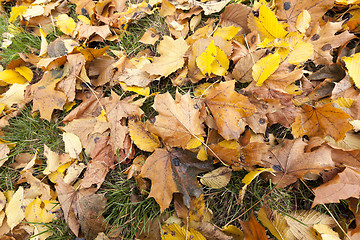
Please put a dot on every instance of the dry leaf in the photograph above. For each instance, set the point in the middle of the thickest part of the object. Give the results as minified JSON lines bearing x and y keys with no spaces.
{"x":217,"y":178}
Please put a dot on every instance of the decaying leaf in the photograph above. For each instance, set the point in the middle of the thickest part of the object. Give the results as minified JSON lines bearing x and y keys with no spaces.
{"x":253,"y":230}
{"x":217,"y":178}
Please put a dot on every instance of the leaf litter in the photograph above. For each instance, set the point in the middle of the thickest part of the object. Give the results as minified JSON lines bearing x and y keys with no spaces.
{"x":297,"y":63}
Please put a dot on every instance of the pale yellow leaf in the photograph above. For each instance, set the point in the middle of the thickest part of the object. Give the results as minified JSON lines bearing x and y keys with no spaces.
{"x":303,"y":21}
{"x":217,"y":178}
{"x":14,"y":212}
{"x":227,"y":33}
{"x":65,"y":24}
{"x":14,"y":95}
{"x":352,"y":64}
{"x":300,"y":53}
{"x":72,"y":144}
{"x":264,"y":67}
{"x":35,"y":212}
{"x":52,"y":160}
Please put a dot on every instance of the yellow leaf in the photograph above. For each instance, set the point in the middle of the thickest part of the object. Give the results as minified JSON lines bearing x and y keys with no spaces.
{"x":194,"y":142}
{"x":172,"y":57}
{"x":52,"y":160}
{"x":175,"y":232}
{"x":84,"y":19}
{"x":303,"y":21}
{"x":44,"y":43}
{"x":344,"y":102}
{"x":102,"y":117}
{"x":248,"y":179}
{"x":293,"y":89}
{"x":231,"y":144}
{"x":352,"y":64}
{"x":227,"y":33}
{"x":65,"y":24}
{"x":301,"y":53}
{"x":72,"y":144}
{"x":144,"y":91}
{"x":25,"y":72}
{"x":11,"y":77}
{"x":36,"y":212}
{"x":264,"y":67}
{"x":212,"y":60}
{"x":268,"y":25}
{"x":14,"y":211}
{"x":14,"y":95}
{"x":202,"y":90}
{"x":15,"y":12}
{"x":202,"y":155}
{"x":142,"y":138}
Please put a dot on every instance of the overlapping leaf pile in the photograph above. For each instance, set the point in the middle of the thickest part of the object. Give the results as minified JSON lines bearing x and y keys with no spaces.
{"x":300,"y":67}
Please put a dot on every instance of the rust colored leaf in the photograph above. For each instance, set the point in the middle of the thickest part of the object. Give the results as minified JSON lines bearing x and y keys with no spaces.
{"x":171,"y":172}
{"x":253,"y":230}
{"x":228,"y":107}
{"x":321,"y":121}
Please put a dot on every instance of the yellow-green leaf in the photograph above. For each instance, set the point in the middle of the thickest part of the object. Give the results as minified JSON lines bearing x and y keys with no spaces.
{"x":352,"y":64}
{"x":264,"y":67}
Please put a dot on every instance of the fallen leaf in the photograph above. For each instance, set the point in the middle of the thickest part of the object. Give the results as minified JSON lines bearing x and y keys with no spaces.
{"x":14,"y":211}
{"x":142,"y":138}
{"x":290,"y":162}
{"x":178,"y":120}
{"x":72,"y":144}
{"x":212,"y":60}
{"x":41,"y":211}
{"x":264,"y":67}
{"x":217,"y":178}
{"x":253,"y":230}
{"x":351,"y":64}
{"x":175,"y":232}
{"x":342,"y":186}
{"x":172,"y":57}
{"x":321,"y":121}
{"x":235,"y":14}
{"x":228,"y":107}
{"x":179,"y":171}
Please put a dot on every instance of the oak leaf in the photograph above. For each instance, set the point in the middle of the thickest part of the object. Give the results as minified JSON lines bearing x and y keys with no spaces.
{"x":321,"y":121}
{"x":172,"y":57}
{"x":179,"y":170}
{"x":345,"y":185}
{"x":178,"y":120}
{"x":228,"y":107}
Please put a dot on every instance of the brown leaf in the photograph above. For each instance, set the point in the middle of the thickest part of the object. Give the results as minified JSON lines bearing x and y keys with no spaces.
{"x":171,"y":172}
{"x":117,"y":111}
{"x":236,"y":15}
{"x":321,"y":121}
{"x":82,"y":209}
{"x":290,"y":162}
{"x":103,"y":159}
{"x":323,"y":39}
{"x":228,"y":107}
{"x":243,"y":68}
{"x":289,"y":10}
{"x":4,"y":151}
{"x":86,"y":31}
{"x":178,"y":120}
{"x":74,"y":62}
{"x":253,"y":230}
{"x":343,"y":186}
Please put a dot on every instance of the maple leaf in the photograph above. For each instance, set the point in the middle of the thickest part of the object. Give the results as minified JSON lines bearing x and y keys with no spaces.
{"x":179,"y":170}
{"x":253,"y":230}
{"x":228,"y":107}
{"x":290,"y":162}
{"x":290,"y":10}
{"x":321,"y":121}
{"x":82,"y":209}
{"x":342,"y":186}
{"x":172,"y":57}
{"x":45,"y":97}
{"x":178,"y":120}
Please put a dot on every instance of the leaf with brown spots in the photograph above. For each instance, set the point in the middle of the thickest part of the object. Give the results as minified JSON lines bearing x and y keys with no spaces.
{"x":289,"y":10}
{"x":228,"y":107}
{"x":321,"y":121}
